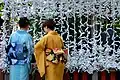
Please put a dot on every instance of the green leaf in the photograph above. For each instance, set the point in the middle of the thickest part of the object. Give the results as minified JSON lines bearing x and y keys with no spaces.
{"x":1,"y":1}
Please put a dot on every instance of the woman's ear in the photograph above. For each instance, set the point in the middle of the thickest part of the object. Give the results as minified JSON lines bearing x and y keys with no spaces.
{"x":46,"y":27}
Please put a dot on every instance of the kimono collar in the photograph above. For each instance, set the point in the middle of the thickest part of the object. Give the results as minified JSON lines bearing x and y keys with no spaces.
{"x":53,"y":33}
{"x":21,"y":31}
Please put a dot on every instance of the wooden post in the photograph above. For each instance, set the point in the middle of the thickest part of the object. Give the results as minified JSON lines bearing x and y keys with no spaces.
{"x":112,"y":75}
{"x":117,"y":75}
{"x":1,"y":75}
{"x":75,"y":75}
{"x":6,"y":76}
{"x":66,"y":76}
{"x":84,"y":76}
{"x":103,"y":75}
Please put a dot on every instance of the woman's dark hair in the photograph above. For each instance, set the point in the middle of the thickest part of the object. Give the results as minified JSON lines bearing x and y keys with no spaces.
{"x":23,"y":22}
{"x":49,"y":23}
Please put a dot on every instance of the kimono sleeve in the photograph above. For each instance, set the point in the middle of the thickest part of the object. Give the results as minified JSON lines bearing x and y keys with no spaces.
{"x":40,"y":55}
{"x":12,"y":40}
{"x":41,"y":44}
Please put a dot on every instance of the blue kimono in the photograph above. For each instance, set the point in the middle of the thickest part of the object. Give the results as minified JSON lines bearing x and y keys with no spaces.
{"x":20,"y":54}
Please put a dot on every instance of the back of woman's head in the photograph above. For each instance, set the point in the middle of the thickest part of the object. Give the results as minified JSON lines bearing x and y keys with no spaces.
{"x":23,"y":22}
{"x":50,"y":23}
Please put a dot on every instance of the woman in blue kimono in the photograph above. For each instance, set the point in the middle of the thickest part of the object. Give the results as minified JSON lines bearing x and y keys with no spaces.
{"x":20,"y":50}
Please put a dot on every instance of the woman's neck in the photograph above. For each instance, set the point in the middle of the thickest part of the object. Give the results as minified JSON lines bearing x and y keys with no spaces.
{"x":50,"y":31}
{"x":23,"y":29}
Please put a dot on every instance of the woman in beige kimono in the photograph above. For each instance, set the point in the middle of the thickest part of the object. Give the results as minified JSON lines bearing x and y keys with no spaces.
{"x":49,"y":53}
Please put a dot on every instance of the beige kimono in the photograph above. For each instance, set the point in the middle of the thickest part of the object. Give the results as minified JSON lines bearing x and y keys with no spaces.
{"x":52,"y":71}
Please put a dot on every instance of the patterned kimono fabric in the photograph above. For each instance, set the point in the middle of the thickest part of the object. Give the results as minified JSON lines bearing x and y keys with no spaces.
{"x":53,"y":70}
{"x":20,"y":68}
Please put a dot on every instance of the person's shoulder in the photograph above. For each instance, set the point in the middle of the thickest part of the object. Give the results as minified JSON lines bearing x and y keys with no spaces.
{"x":29,"y":36}
{"x":59,"y":36}
{"x":13,"y":34}
{"x":44,"y":37}
{"x":13,"y":37}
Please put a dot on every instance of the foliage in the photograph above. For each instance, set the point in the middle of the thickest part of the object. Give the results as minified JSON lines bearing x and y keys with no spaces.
{"x":1,"y":9}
